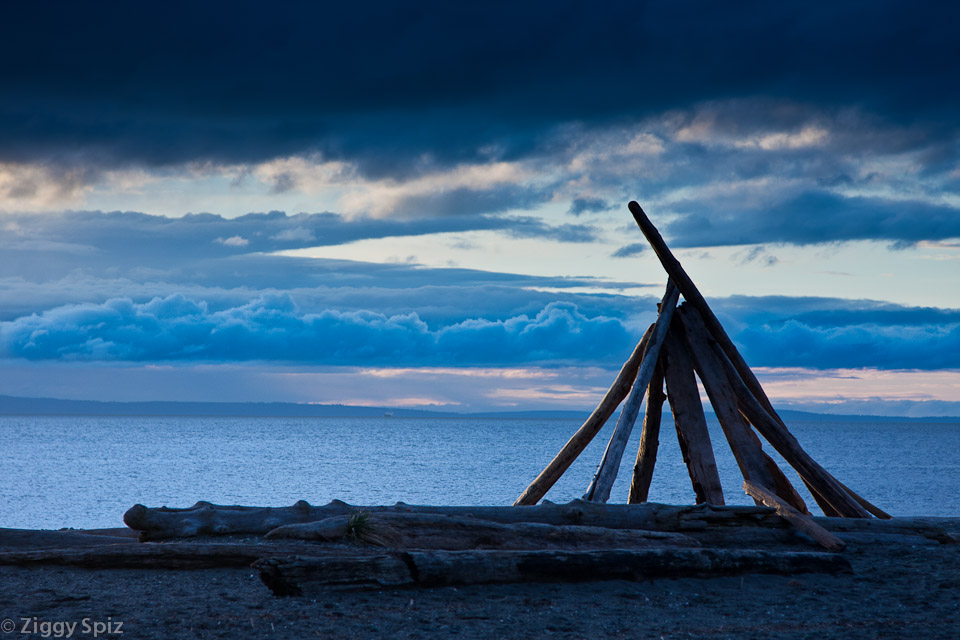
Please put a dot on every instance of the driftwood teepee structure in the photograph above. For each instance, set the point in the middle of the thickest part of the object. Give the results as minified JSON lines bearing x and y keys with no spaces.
{"x":687,"y":339}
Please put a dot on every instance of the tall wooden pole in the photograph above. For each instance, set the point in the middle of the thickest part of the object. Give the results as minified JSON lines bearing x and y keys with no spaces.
{"x":599,"y":489}
{"x":649,"y":439}
{"x":689,"y":420}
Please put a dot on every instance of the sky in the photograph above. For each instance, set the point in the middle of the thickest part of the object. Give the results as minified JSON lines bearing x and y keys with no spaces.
{"x":424,"y":204}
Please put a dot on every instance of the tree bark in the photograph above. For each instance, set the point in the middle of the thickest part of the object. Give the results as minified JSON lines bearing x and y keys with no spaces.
{"x":649,"y":439}
{"x":689,"y":420}
{"x":599,"y":489}
{"x":433,"y":531}
{"x":308,"y":576}
{"x":802,"y":522}
{"x":585,"y":434}
{"x":843,"y":501}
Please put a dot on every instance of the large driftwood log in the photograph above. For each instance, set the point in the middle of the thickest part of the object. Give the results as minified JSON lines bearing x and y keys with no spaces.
{"x":204,"y":518}
{"x":305,"y":576}
{"x":844,"y":502}
{"x":585,"y":434}
{"x":704,"y":522}
{"x":649,"y":440}
{"x":599,"y":489}
{"x":433,"y":531}
{"x":690,"y":421}
{"x":801,"y":521}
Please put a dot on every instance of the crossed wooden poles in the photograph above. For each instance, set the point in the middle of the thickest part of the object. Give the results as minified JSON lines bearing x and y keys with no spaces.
{"x":685,"y":339}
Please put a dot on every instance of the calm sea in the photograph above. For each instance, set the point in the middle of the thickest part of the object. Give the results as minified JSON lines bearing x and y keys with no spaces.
{"x":86,"y":471}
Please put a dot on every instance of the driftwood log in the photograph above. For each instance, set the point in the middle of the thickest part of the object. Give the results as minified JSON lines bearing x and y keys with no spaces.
{"x":708,"y":524}
{"x":591,"y":426}
{"x":303,"y":576}
{"x":173,"y":555}
{"x":432,"y":531}
{"x":599,"y":489}
{"x":690,"y":421}
{"x":205,"y":518}
{"x":649,"y":439}
{"x":803,"y":522}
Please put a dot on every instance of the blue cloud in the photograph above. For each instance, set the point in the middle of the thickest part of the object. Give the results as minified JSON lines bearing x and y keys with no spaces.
{"x":274,"y":328}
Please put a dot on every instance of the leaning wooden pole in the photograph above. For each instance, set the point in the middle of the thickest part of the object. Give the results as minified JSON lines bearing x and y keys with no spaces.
{"x":844,"y":502}
{"x":781,"y":439}
{"x":649,"y":439}
{"x":599,"y":489}
{"x":690,"y":421}
{"x":585,"y":434}
{"x":743,"y":442}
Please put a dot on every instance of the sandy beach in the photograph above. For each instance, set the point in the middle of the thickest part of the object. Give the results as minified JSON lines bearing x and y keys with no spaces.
{"x":895,"y":591}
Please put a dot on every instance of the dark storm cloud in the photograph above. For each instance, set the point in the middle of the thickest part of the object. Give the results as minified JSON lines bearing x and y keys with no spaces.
{"x":811,"y":218}
{"x":383,"y":82}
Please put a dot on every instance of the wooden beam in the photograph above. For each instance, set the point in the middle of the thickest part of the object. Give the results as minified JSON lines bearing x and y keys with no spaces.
{"x":744,"y":444}
{"x":649,"y":439}
{"x":842,"y":501}
{"x":585,"y":434}
{"x":690,"y":421}
{"x":778,"y":436}
{"x":802,"y":522}
{"x":599,"y":489}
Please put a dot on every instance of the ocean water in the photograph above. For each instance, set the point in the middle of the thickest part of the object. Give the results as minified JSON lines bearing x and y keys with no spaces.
{"x":86,"y":471}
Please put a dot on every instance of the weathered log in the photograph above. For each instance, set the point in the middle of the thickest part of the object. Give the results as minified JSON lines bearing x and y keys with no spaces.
{"x":783,"y":487}
{"x":433,"y":531}
{"x":649,"y":439}
{"x":174,"y":555}
{"x":710,"y":366}
{"x":585,"y":434}
{"x":204,"y":518}
{"x":306,"y":576}
{"x":690,"y":421}
{"x":745,"y":446}
{"x":800,"y":521}
{"x":843,"y":501}
{"x":599,"y":489}
{"x":75,"y":538}
{"x":780,"y":438}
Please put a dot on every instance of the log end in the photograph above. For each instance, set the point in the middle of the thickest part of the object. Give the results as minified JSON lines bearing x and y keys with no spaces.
{"x":134,"y":517}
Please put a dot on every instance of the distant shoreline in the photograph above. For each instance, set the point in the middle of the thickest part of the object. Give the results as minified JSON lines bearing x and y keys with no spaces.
{"x":24,"y":406}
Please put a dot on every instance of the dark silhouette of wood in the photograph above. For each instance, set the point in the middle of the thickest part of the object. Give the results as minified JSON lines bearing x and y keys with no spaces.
{"x":599,"y":489}
{"x":303,"y":576}
{"x":744,"y":444}
{"x":204,"y":519}
{"x":649,"y":440}
{"x":585,"y":434}
{"x":433,"y":531}
{"x":690,"y":421}
{"x":840,"y":500}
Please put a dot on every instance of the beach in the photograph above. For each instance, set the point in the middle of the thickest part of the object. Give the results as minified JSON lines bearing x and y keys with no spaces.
{"x":895,"y":591}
